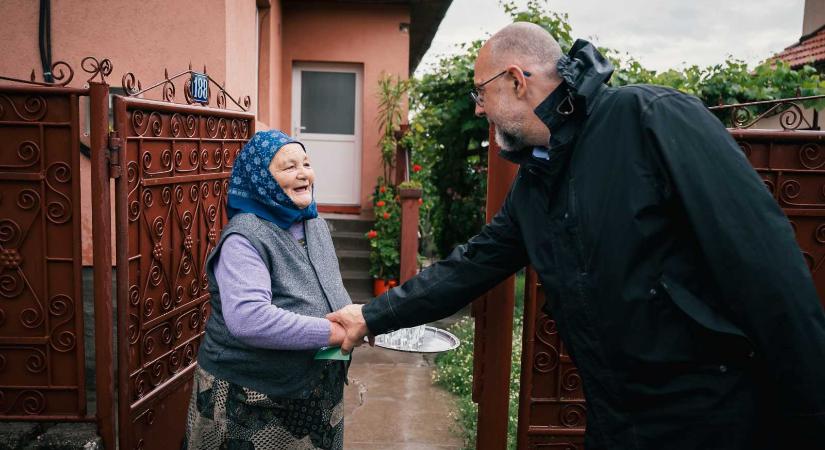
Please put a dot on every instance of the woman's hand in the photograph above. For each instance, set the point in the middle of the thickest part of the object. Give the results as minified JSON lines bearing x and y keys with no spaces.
{"x":337,"y":334}
{"x":351,"y":318}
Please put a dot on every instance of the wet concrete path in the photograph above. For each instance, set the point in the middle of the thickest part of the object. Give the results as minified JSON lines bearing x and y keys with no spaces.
{"x":391,"y":404}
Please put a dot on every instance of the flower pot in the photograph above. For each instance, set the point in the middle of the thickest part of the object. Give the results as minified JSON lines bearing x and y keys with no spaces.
{"x":380,"y":286}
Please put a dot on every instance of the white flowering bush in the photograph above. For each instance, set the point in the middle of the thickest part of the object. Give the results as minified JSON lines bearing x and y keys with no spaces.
{"x":454,"y":371}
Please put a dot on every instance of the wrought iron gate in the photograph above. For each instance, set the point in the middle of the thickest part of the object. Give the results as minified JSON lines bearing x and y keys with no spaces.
{"x":552,"y":410}
{"x":791,"y":161}
{"x":792,"y":165}
{"x":41,"y":316}
{"x":174,"y":163}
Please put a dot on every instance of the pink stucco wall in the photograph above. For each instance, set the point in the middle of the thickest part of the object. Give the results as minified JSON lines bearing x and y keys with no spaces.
{"x":241,"y":45}
{"x":269,"y":70}
{"x":348,"y":33}
{"x":146,"y":37}
{"x":139,"y":37}
{"x":142,"y":37}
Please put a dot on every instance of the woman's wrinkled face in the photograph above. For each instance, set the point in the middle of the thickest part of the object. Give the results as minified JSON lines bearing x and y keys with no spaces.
{"x":291,"y":169}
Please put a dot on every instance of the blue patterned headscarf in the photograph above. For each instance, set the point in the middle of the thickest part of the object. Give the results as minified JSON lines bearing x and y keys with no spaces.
{"x":253,"y":189}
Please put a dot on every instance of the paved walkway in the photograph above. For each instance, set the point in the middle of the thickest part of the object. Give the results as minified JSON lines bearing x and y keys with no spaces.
{"x":391,"y":403}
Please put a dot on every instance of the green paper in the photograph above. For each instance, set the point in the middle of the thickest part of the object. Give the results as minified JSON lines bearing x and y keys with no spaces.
{"x":332,"y":353}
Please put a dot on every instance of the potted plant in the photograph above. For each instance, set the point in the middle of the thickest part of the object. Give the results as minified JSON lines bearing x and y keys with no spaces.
{"x":385,"y":237}
{"x":391,"y":92}
{"x":385,"y":257}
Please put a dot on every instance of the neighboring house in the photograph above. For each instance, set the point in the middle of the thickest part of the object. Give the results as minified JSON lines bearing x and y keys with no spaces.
{"x":810,"y":49}
{"x":311,"y":67}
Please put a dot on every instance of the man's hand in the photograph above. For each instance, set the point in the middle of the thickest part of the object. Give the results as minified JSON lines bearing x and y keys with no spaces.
{"x":337,"y":333}
{"x":352,"y":320}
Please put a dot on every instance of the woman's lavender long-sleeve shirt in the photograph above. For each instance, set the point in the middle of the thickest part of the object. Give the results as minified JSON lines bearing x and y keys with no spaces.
{"x":246,"y":298}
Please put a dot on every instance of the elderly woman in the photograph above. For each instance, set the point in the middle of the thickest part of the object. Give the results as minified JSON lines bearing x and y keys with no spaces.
{"x":273,"y":276}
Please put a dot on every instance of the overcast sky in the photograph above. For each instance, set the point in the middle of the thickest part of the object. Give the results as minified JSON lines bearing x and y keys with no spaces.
{"x":662,"y":34}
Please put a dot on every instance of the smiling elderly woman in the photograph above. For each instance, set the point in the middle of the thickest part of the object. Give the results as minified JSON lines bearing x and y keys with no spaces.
{"x":273,"y":277}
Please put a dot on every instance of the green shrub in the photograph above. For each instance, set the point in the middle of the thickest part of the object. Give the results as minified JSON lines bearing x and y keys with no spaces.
{"x":450,"y":143}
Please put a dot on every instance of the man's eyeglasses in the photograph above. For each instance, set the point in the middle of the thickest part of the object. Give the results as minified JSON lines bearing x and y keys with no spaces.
{"x":475,"y":93}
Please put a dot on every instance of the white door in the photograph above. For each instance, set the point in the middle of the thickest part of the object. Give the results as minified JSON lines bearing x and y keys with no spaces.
{"x":326,"y":117}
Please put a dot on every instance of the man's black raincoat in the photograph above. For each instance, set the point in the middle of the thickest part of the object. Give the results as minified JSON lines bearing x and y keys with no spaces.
{"x":674,"y":277}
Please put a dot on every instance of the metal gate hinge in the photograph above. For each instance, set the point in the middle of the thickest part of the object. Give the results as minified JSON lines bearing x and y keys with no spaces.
{"x":114,"y":158}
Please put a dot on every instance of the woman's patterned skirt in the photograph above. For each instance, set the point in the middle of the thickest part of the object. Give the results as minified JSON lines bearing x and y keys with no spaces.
{"x":223,"y":415}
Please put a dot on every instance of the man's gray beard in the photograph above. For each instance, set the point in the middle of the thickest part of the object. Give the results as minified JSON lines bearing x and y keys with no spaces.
{"x":509,"y":141}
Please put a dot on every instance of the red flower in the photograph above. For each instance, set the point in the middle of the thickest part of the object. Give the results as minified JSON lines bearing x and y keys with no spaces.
{"x":372,"y":234}
{"x":380,"y":203}
{"x":420,"y":201}
{"x":416,"y":168}
{"x":386,"y":215}
{"x":382,"y":189}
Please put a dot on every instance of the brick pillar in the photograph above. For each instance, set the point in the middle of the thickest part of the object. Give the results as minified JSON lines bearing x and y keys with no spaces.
{"x":409,"y":233}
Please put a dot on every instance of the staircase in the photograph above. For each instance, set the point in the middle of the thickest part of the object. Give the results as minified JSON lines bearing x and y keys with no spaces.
{"x":353,"y":250}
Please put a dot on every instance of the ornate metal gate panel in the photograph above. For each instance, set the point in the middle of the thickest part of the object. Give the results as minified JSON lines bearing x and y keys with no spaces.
{"x":792,"y":164}
{"x":791,"y":161}
{"x":41,"y":308}
{"x":174,"y":161}
{"x":551,"y":406}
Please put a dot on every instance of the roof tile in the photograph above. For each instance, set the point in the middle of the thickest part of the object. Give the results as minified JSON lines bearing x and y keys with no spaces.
{"x":809,"y":51}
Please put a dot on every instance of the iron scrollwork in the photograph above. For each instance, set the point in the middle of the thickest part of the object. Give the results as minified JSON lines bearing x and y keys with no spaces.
{"x":61,"y":72}
{"x":39,"y":268}
{"x":102,"y":68}
{"x":33,"y":109}
{"x":31,"y":401}
{"x":132,"y":86}
{"x":572,"y":415}
{"x":791,"y":117}
{"x":177,"y":163}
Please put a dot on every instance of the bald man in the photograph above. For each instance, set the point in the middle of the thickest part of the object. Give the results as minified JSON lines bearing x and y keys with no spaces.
{"x":673,"y":276}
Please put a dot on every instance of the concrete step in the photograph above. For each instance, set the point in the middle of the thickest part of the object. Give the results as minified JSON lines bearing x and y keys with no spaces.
{"x":354,"y":260}
{"x":354,"y":224}
{"x":350,"y":240}
{"x":360,"y":297}
{"x":358,"y":285}
{"x":353,"y":250}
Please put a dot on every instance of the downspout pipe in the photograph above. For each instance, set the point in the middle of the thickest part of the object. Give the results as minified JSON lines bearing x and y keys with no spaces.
{"x":44,"y":37}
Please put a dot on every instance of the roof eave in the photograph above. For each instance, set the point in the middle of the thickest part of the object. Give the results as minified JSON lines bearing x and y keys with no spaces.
{"x":425,"y":17}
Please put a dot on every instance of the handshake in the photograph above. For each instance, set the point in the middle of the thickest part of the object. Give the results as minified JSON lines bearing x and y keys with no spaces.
{"x":348,"y":328}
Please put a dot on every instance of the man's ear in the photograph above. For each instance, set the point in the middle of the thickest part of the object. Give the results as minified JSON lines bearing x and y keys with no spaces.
{"x":519,"y":81}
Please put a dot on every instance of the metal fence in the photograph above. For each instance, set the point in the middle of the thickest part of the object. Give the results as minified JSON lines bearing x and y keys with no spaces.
{"x":41,"y":313}
{"x":171,"y":163}
{"x":176,"y":161}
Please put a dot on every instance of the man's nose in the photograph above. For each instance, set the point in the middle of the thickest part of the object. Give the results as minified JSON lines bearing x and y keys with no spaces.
{"x":479,"y":111}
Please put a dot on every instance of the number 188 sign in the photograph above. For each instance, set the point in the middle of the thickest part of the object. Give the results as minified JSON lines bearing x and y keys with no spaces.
{"x":199,"y":88}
